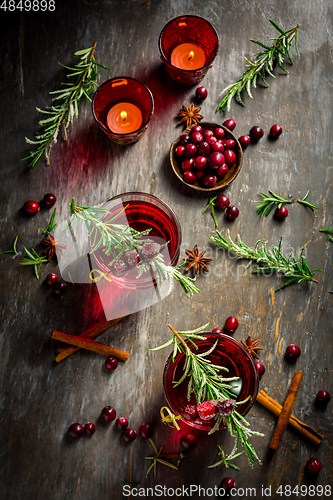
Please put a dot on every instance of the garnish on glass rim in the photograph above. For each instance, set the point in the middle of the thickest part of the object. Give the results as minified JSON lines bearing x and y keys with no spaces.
{"x":269,"y":260}
{"x":196,"y":260}
{"x":189,"y":115}
{"x":307,"y":203}
{"x":266,"y":205}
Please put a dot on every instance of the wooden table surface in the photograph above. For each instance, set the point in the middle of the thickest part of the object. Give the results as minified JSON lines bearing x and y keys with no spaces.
{"x":40,"y":399}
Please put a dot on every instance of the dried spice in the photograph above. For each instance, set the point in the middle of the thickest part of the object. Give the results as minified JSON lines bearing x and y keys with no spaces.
{"x":190,"y":115}
{"x":53,"y":247}
{"x":196,"y":260}
{"x":251,"y":346}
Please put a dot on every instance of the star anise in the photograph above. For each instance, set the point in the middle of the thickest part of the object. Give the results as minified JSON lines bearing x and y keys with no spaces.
{"x":195,"y":260}
{"x":53,"y":247}
{"x":251,"y":346}
{"x":190,"y":115}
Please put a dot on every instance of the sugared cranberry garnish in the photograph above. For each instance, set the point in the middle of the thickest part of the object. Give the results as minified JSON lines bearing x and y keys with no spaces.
{"x":293,"y":352}
{"x":190,"y":412}
{"x":200,"y":162}
{"x":222,"y":201}
{"x":76,"y":430}
{"x":211,"y":139}
{"x":189,"y":442}
{"x":59,"y":288}
{"x":119,"y":268}
{"x":322,"y":398}
{"x":229,"y":144}
{"x":222,"y":170}
{"x":51,"y":279}
{"x":129,"y":435}
{"x":217,"y":330}
{"x":190,"y":177}
{"x":196,"y":128}
{"x":217,"y":147}
{"x":49,"y":200}
{"x":225,"y":408}
{"x":230,"y":124}
{"x":31,"y":207}
{"x":206,"y":410}
{"x":215,"y":160}
{"x":203,"y":149}
{"x":180,"y":151}
{"x":184,"y":139}
{"x":256,"y":133}
{"x":244,"y":141}
{"x":209,"y":180}
{"x":146,"y":431}
{"x":275,"y":131}
{"x":90,"y":428}
{"x":281,"y":213}
{"x":260,"y":368}
{"x":150,"y":250}
{"x":132,"y":258}
{"x":188,"y":164}
{"x":227,"y":484}
{"x":111,"y":363}
{"x":190,"y":150}
{"x":196,"y":137}
{"x":201,"y":93}
{"x":219,"y":132}
{"x":122,"y":423}
{"x":207,"y":134}
{"x":108,"y":414}
{"x":313,"y":466}
{"x":230,"y":157}
{"x":232,"y":213}
{"x":231,"y":324}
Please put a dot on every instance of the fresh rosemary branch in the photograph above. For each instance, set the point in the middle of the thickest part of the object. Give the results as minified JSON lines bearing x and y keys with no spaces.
{"x":262,"y":64}
{"x":51,"y":225}
{"x":211,"y":204}
{"x":14,"y":250}
{"x":266,"y":205}
{"x":307,"y":203}
{"x":327,"y":231}
{"x":63,"y":114}
{"x":34,"y":260}
{"x":158,"y":458}
{"x":269,"y":260}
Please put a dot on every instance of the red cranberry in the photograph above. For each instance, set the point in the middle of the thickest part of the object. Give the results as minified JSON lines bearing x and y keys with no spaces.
{"x":293,"y":352}
{"x":256,"y":133}
{"x":49,"y":200}
{"x":31,"y":207}
{"x":232,"y":213}
{"x":230,"y":157}
{"x":313,"y":465}
{"x":129,"y":435}
{"x":209,"y":180}
{"x":190,"y":150}
{"x":231,"y":324}
{"x":180,"y":151}
{"x":196,"y":128}
{"x":207,"y":134}
{"x":190,"y":177}
{"x":196,"y":138}
{"x":222,"y":170}
{"x":322,"y":398}
{"x":188,"y":164}
{"x":211,"y":139}
{"x":281,"y":213}
{"x":189,"y":442}
{"x":51,"y":278}
{"x":76,"y":430}
{"x":217,"y":330}
{"x":217,"y":147}
{"x":199,"y":173}
{"x":215,"y":160}
{"x":122,"y":423}
{"x":59,"y":288}
{"x":230,"y":124}
{"x":203,"y":149}
{"x":200,"y":162}
{"x":111,"y":363}
{"x":275,"y":131}
{"x":219,"y":132}
{"x":90,"y":428}
{"x":184,"y":139}
{"x":190,"y":412}
{"x":229,"y":144}
{"x":146,"y":431}
{"x":244,"y":141}
{"x":222,"y":201}
{"x":201,"y":93}
{"x":108,"y":414}
{"x":227,"y":484}
{"x":260,"y":368}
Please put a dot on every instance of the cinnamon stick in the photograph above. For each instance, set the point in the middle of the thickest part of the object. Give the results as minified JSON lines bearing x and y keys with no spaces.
{"x":91,"y":345}
{"x":286,"y":411}
{"x":305,"y":430}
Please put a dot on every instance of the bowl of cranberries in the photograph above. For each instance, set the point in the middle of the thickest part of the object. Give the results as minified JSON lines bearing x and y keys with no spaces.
{"x":206,"y":157}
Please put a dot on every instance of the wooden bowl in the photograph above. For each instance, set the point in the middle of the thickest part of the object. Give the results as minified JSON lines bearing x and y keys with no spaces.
{"x":176,"y":162}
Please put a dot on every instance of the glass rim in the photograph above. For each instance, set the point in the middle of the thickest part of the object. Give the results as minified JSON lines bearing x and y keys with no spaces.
{"x":124,"y":78}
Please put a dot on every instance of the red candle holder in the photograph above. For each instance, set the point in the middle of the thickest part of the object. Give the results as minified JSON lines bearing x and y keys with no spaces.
{"x":123,"y":107}
{"x":188,"y":33}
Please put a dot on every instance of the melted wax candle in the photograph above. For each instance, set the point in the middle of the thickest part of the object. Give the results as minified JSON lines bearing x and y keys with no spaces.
{"x":188,"y":56}
{"x":124,"y":118}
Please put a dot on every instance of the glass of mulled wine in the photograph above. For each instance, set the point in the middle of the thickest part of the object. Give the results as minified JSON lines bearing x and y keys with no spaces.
{"x":229,"y":353}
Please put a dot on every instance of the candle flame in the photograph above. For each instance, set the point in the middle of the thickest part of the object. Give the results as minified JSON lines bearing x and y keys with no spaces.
{"x":123,"y":115}
{"x":191,"y":54}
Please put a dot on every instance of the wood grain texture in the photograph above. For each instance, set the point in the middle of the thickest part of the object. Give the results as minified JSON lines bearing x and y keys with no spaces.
{"x":40,"y":399}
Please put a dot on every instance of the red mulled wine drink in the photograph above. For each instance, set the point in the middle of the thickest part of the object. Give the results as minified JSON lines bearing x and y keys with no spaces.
{"x":228,"y":353}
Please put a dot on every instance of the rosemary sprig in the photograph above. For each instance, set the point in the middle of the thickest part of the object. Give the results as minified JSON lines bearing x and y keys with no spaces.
{"x":262,"y":64}
{"x":14,"y":250}
{"x":307,"y":203}
{"x":327,"y":231}
{"x":63,"y":114}
{"x":211,"y":204}
{"x":266,"y":205}
{"x":269,"y":260}
{"x":34,"y":260}
{"x":158,"y":458}
{"x":226,"y":460}
{"x":51,"y":225}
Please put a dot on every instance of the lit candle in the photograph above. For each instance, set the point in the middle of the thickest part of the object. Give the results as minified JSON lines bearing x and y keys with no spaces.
{"x":188,"y":56}
{"x":124,"y":118}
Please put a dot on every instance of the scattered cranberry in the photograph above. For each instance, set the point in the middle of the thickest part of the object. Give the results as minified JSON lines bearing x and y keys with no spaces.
{"x":132,"y":258}
{"x":108,"y":414}
{"x":190,"y":177}
{"x":227,"y":484}
{"x":111,"y":363}
{"x":31,"y":207}
{"x":219,"y":132}
{"x":196,"y":128}
{"x":231,"y":324}
{"x":217,"y":147}
{"x":244,"y":141}
{"x":129,"y":435}
{"x":59,"y":288}
{"x":190,"y":412}
{"x":76,"y":430}
{"x":275,"y":131}
{"x":230,"y":157}
{"x":209,"y":180}
{"x":90,"y":428}
{"x":222,"y":201}
{"x":189,"y":442}
{"x":184,"y":139}
{"x":200,"y":162}
{"x":232,"y":213}
{"x":281,"y":213}
{"x":211,"y":139}
{"x":180,"y":151}
{"x":49,"y":200}
{"x":146,"y":431}
{"x":293,"y":352}
{"x":215,"y":160}
{"x":203,"y":149}
{"x":150,"y":250}
{"x":206,"y":410}
{"x":201,"y":93}
{"x":256,"y":133}
{"x":313,"y":465}
{"x":229,"y":144}
{"x":217,"y":330}
{"x":188,"y":164}
{"x":222,"y":170}
{"x":51,"y":278}
{"x":230,"y":124}
{"x":260,"y":368}
{"x":323,"y":397}
{"x":122,"y":423}
{"x":196,"y":137}
{"x":190,"y":150}
{"x":208,"y":133}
